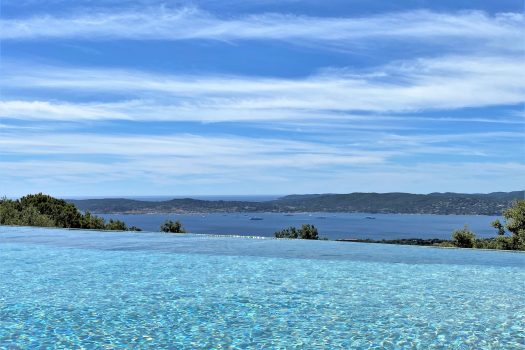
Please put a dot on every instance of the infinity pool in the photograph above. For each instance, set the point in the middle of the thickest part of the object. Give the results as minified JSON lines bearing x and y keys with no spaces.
{"x":78,"y":289}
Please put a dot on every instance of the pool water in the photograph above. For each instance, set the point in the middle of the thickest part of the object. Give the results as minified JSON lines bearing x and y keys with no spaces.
{"x":78,"y":289}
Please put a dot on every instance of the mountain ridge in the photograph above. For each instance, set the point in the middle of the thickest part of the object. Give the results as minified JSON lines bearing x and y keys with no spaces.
{"x":365,"y":202}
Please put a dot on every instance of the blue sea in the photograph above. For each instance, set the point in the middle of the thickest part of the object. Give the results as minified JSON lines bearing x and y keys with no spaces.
{"x":330,"y":225}
{"x":71,"y":289}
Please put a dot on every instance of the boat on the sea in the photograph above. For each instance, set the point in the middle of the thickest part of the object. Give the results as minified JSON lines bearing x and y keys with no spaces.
{"x":288,"y":214}
{"x":370,"y":217}
{"x":256,"y":218}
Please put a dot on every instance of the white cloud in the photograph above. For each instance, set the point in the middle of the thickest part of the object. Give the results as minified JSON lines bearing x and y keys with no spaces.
{"x":168,"y":176}
{"x":199,"y":163}
{"x":218,"y":150}
{"x":224,"y":150}
{"x":348,"y":112}
{"x":424,"y":84}
{"x":162,"y":23}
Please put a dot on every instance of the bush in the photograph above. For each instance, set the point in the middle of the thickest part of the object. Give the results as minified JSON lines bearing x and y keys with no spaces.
{"x":116,"y":225}
{"x":172,"y":227}
{"x":290,"y":232}
{"x":308,"y":231}
{"x":499,"y":242}
{"x":515,"y":224}
{"x":463,"y":238}
{"x":43,"y":210}
{"x":305,"y":232}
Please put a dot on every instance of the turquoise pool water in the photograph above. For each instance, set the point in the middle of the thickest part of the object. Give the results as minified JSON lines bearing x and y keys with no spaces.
{"x":77,"y":289}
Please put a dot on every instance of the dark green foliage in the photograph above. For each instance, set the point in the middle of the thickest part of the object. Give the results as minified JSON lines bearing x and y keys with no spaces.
{"x":290,"y":232}
{"x":306,"y":231}
{"x":64,"y":214}
{"x":32,"y":217}
{"x":92,"y":222}
{"x":116,"y":225}
{"x":497,"y":225}
{"x":403,"y":241}
{"x":43,"y":210}
{"x":172,"y":227}
{"x":463,"y":238}
{"x":9,"y":212}
{"x":498,"y":242}
{"x":515,"y":224}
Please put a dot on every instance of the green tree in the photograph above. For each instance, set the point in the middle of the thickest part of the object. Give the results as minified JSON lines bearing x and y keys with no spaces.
{"x":497,"y":225}
{"x":290,"y":232}
{"x":172,"y":227}
{"x":9,"y":212}
{"x":464,"y":238}
{"x":31,"y":217}
{"x":63,"y":213}
{"x":308,"y":231}
{"x":515,"y":223}
{"x":116,"y":225}
{"x":43,"y":210}
{"x":92,"y":222}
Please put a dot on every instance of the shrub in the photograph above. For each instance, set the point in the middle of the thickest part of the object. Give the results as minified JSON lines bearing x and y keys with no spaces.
{"x":172,"y":227}
{"x":463,"y":238}
{"x":499,"y":242}
{"x":515,"y":224}
{"x":290,"y":232}
{"x":306,"y":231}
{"x":116,"y":225}
{"x":43,"y":210}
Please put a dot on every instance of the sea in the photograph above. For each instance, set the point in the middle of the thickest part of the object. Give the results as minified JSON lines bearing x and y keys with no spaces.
{"x":329,"y":225}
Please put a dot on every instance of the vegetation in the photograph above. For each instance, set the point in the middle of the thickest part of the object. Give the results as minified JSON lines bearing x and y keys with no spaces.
{"x":172,"y":227}
{"x":403,"y":241}
{"x":306,"y":231}
{"x":463,"y":238}
{"x":46,"y":211}
{"x":514,"y":224}
{"x":433,"y":203}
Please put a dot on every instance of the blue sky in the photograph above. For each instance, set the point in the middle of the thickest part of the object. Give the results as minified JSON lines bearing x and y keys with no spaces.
{"x":261,"y":97}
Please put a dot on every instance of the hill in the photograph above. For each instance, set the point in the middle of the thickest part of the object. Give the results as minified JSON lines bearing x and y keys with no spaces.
{"x":405,"y":203}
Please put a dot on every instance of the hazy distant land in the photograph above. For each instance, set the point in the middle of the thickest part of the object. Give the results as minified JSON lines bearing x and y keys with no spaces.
{"x":387,"y":203}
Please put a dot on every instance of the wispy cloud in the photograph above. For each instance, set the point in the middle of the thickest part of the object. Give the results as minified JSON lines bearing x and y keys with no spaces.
{"x":191,"y":23}
{"x":221,"y":150}
{"x":207,"y":150}
{"x":422,"y":84}
{"x":351,"y":127}
{"x":192,"y":159}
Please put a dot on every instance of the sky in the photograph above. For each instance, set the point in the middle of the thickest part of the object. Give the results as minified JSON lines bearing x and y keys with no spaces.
{"x":208,"y":97}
